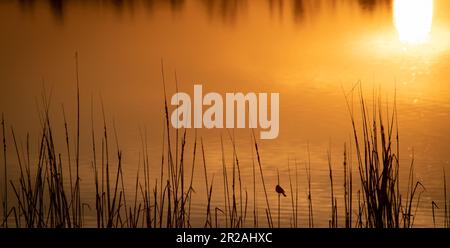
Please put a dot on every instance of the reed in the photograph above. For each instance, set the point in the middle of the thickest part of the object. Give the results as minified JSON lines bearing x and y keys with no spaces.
{"x":333,"y":222}
{"x":268,"y":212}
{"x":294,"y":198}
{"x":42,"y":200}
{"x":348,"y":190}
{"x":255,"y":213}
{"x":208,"y":221}
{"x":279,"y":200}
{"x":308,"y":178}
{"x":191,"y":187}
{"x":5,"y":177}
{"x":446,"y":205}
{"x":47,"y":190}
{"x":433,"y":206}
{"x":377,"y":151}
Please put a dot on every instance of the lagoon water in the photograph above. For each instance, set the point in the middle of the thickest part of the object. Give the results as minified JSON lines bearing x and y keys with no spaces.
{"x":313,"y":52}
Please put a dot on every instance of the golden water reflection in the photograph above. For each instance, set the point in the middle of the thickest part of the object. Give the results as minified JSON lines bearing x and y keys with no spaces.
{"x":308,"y":50}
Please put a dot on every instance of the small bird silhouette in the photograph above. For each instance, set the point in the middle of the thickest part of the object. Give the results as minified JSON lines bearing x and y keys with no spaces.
{"x":280,"y":190}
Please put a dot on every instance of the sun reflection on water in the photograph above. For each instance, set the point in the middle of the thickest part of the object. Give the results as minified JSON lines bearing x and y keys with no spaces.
{"x":413,"y":20}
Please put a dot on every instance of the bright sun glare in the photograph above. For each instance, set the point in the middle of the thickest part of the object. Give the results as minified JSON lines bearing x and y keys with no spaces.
{"x":413,"y":20}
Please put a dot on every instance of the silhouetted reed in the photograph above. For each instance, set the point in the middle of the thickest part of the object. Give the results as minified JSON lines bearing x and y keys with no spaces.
{"x":47,"y":191}
{"x":377,"y":150}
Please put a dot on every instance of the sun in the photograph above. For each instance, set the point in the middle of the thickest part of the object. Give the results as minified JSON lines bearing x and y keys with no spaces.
{"x":413,"y":20}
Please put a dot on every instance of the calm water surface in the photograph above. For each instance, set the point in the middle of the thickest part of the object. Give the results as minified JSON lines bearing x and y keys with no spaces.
{"x":309,"y":51}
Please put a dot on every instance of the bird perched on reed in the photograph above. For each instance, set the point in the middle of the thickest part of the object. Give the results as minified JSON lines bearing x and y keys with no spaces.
{"x":280,"y":190}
